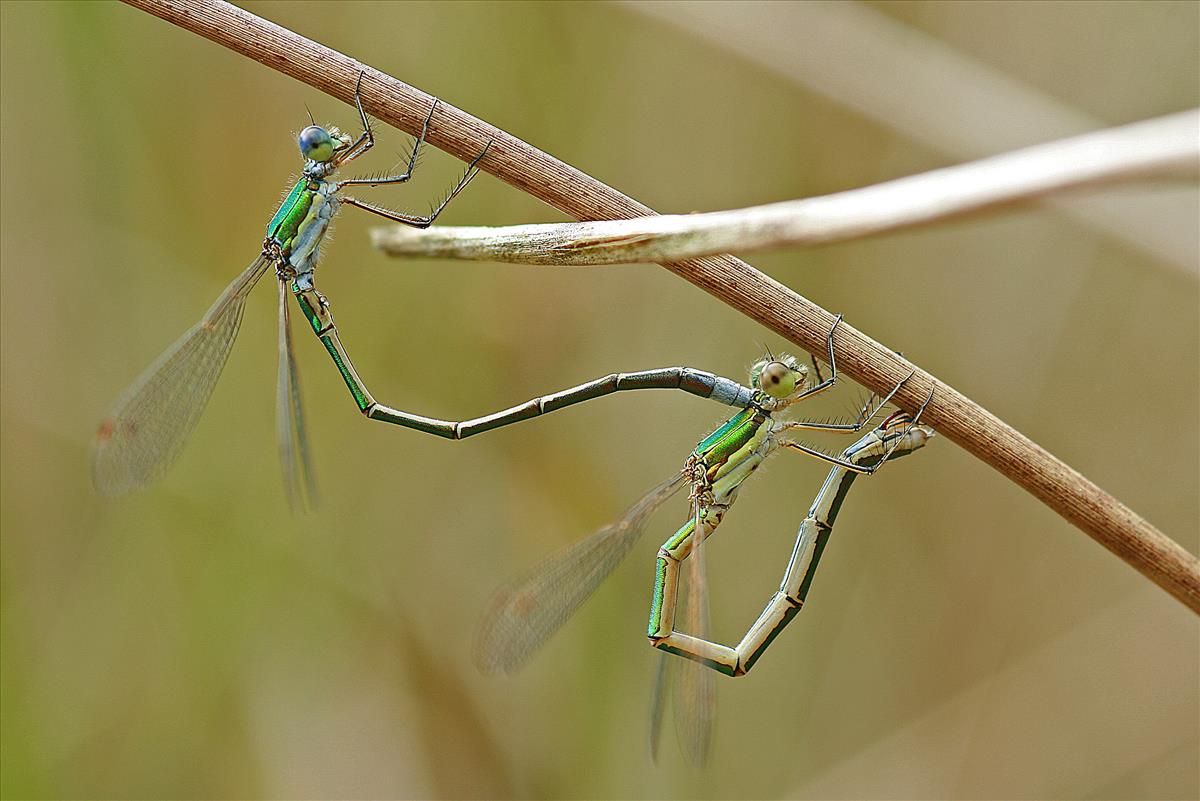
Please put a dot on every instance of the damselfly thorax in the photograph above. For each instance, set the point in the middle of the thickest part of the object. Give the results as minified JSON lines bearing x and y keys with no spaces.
{"x":295,"y":233}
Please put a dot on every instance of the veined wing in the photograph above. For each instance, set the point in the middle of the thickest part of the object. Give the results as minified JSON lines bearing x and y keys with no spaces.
{"x":695,"y":692}
{"x":145,"y":431}
{"x":523,"y":615}
{"x":289,"y":419}
{"x":691,"y":688}
{"x":690,"y":685}
{"x":658,"y":702}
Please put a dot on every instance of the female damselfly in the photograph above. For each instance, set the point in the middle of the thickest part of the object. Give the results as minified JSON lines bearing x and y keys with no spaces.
{"x":524,"y":614}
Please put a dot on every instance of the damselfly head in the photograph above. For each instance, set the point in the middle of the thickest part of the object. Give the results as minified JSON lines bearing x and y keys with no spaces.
{"x":779,"y":377}
{"x":316,"y":144}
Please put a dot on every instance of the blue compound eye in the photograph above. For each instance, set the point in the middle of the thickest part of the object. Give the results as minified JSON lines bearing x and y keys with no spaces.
{"x":316,"y":144}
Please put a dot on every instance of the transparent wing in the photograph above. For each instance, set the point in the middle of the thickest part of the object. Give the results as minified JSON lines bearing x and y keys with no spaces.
{"x":692,"y":688}
{"x":143,"y":434}
{"x":658,"y":702}
{"x":693,"y":685}
{"x":689,"y":684}
{"x":523,"y":615}
{"x":289,"y":419}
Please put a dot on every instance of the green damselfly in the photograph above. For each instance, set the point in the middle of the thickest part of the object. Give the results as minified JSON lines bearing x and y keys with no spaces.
{"x":525,"y":613}
{"x":147,"y":428}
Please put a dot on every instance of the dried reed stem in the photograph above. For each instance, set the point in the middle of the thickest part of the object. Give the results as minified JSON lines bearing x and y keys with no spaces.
{"x":1164,"y":147}
{"x":730,"y":280}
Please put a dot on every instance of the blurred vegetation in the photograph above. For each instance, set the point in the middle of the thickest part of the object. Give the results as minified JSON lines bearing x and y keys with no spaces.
{"x":194,"y":640}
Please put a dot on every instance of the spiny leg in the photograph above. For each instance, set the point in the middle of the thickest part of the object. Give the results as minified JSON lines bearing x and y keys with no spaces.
{"x":842,"y":461}
{"x":902,"y":439}
{"x":419,"y":221}
{"x":823,"y":384}
{"x":366,"y":139}
{"x":412,"y":160}
{"x":860,"y":422}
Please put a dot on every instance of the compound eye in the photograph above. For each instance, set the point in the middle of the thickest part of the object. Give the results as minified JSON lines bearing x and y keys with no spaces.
{"x":316,"y":144}
{"x":777,"y":380}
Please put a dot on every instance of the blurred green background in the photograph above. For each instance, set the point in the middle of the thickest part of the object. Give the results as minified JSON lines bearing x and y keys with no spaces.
{"x":194,"y":640}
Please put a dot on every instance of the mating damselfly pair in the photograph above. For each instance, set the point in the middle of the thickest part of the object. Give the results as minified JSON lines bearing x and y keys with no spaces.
{"x":145,"y":432}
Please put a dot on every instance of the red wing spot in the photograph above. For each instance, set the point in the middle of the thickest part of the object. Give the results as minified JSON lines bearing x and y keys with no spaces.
{"x":105,"y":431}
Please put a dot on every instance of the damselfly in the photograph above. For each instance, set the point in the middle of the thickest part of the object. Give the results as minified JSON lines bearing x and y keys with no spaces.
{"x":145,"y":431}
{"x":523,"y":615}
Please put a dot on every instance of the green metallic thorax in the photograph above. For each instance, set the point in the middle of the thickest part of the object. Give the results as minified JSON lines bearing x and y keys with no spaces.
{"x":292,"y":212}
{"x":736,"y":438}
